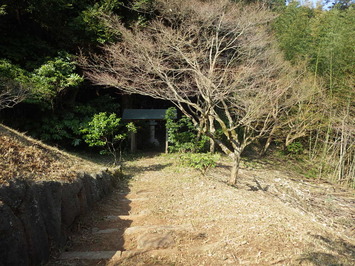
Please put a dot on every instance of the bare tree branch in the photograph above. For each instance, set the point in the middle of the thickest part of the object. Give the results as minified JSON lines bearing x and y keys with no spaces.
{"x":215,"y":60}
{"x":11,"y":93}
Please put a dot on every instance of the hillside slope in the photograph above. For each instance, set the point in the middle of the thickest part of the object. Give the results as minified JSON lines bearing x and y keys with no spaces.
{"x":43,"y":192}
{"x":169,"y":214}
{"x":26,"y":158}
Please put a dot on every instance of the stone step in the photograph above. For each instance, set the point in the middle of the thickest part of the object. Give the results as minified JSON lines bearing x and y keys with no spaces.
{"x":107,"y":231}
{"x":130,"y":216}
{"x":153,"y":253}
{"x":143,"y":228}
{"x":123,"y":217}
{"x":139,"y":229}
{"x":134,"y":199}
{"x":90,"y":255}
{"x":112,"y":255}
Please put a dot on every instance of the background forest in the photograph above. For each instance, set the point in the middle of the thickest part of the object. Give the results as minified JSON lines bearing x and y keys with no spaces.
{"x":43,"y":90}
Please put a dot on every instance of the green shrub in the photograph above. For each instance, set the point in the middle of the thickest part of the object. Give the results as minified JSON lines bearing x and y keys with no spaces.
{"x":15,"y":84}
{"x":295,"y":148}
{"x":106,"y":131}
{"x":63,"y":127}
{"x":182,"y":134}
{"x":200,"y":161}
{"x":53,"y":78}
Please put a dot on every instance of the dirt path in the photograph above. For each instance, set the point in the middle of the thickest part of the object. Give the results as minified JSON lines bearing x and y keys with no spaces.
{"x":168,"y":215}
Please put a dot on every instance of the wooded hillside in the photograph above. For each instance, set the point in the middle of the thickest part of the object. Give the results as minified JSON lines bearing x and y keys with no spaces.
{"x":261,"y":76}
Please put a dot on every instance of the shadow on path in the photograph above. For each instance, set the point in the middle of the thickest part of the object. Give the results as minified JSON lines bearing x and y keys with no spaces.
{"x":98,"y":235}
{"x":343,"y":252}
{"x":135,"y":170}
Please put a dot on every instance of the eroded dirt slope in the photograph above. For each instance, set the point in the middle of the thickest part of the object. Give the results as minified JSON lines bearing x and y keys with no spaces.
{"x":170,"y":215}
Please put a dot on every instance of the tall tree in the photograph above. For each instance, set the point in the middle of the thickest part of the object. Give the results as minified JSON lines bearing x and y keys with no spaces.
{"x":294,"y":31}
{"x":215,"y":60}
{"x":328,"y":50}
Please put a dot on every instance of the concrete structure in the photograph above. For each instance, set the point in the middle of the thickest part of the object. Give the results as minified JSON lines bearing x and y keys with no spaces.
{"x":151,"y":115}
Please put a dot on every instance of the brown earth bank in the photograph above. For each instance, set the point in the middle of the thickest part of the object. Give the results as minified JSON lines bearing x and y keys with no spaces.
{"x":170,"y":215}
{"x":43,"y":191}
{"x":26,"y":158}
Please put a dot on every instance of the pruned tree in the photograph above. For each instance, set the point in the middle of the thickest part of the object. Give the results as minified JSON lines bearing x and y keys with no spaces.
{"x":215,"y":60}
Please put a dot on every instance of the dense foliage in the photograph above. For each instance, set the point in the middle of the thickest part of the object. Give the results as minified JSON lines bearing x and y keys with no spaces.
{"x":63,"y":127}
{"x":182,"y":134}
{"x":39,"y":40}
{"x":325,"y":39}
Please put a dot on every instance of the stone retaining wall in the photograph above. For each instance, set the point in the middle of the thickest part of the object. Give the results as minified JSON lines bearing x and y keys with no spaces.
{"x":36,"y":217}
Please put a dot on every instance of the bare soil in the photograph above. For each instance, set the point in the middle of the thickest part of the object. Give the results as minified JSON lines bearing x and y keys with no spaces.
{"x":167,"y":214}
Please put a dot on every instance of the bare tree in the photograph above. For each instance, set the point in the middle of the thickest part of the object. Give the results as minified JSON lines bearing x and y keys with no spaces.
{"x":215,"y":60}
{"x":11,"y":93}
{"x":305,"y":110}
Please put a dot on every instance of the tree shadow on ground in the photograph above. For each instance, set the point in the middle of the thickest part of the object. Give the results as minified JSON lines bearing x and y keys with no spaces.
{"x":257,"y":186}
{"x":131,"y":171}
{"x":107,"y":160}
{"x":343,"y":253}
{"x":245,"y":180}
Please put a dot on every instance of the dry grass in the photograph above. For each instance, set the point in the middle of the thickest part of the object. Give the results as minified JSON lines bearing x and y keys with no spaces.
{"x":25,"y":158}
{"x":269,"y":219}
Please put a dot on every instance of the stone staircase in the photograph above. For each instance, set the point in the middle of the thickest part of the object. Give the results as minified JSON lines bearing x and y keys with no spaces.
{"x":124,"y":229}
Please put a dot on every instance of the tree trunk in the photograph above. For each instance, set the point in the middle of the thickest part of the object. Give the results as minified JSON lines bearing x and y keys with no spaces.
{"x":212,"y":130}
{"x":266,"y":146}
{"x":235,"y":169}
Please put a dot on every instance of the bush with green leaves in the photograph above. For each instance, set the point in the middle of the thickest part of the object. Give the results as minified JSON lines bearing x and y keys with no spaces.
{"x":182,"y":134}
{"x":53,"y":78}
{"x":63,"y":127}
{"x":15,"y":84}
{"x":295,"y":148}
{"x":44,"y":85}
{"x":106,"y":130}
{"x":200,"y":161}
{"x":90,"y":24}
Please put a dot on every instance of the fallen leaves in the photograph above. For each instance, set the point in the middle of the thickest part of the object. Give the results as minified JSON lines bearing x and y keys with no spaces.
{"x":31,"y":161}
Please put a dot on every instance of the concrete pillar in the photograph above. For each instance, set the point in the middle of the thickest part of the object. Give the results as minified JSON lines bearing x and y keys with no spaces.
{"x":152,"y":139}
{"x":133,"y":142}
{"x":166,"y":141}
